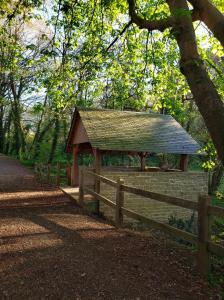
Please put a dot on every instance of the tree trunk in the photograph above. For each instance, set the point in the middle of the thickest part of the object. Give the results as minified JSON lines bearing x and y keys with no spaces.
{"x":40,"y":122}
{"x":39,"y":139}
{"x":39,"y":135}
{"x":216,"y":178}
{"x":7,"y":129}
{"x":16,"y":140}
{"x":55,"y":139}
{"x":205,"y":94}
{"x":19,"y":140}
{"x":2,"y":136}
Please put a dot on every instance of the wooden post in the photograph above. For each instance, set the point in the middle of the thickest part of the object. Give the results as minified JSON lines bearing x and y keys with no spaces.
{"x":183,"y":162}
{"x":81,"y":188}
{"x":203,"y":235}
{"x":75,"y":166}
{"x":119,"y":203}
{"x":97,"y":168}
{"x":42,"y":172}
{"x":48,"y":173}
{"x":38,"y":172}
{"x":97,"y":156}
{"x":68,"y":174}
{"x":58,"y":176}
{"x":143,"y":161}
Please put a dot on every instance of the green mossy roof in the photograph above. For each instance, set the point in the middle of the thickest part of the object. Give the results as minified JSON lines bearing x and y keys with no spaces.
{"x":136,"y":131}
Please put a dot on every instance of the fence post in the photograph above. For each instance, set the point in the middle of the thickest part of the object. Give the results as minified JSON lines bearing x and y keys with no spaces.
{"x":119,"y":203}
{"x":58,"y":176}
{"x":68,"y":173}
{"x":36,"y":170}
{"x":48,"y":173}
{"x":41,"y":173}
{"x":203,"y":235}
{"x":97,"y":190}
{"x":81,"y":188}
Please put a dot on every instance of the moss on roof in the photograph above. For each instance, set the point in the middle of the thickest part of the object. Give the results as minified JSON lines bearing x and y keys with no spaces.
{"x":136,"y":131}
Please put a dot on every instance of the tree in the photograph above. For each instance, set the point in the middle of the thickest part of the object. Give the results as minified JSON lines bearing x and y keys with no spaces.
{"x":180,"y":21}
{"x":92,"y":54}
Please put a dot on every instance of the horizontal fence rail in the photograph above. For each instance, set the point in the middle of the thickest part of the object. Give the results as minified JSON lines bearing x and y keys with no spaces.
{"x":161,"y":226}
{"x":216,"y":211}
{"x":203,"y":207}
{"x":161,"y":198}
{"x":53,"y":174}
{"x":101,"y":198}
{"x":103,"y":179}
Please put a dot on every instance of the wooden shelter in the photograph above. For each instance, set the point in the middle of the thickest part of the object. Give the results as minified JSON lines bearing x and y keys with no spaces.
{"x":100,"y":131}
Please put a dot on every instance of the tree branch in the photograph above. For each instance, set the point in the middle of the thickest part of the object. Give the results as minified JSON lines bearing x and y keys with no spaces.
{"x":151,"y":25}
{"x":206,"y":11}
{"x":13,"y":14}
{"x":119,"y":35}
{"x":110,"y":45}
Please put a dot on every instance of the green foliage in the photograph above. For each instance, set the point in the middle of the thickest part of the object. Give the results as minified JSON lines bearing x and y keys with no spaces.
{"x":188,"y":225}
{"x":69,"y":53}
{"x":210,"y":158}
{"x":218,"y":198}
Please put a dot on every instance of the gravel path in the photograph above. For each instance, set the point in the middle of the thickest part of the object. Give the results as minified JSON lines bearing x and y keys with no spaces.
{"x":54,"y":250}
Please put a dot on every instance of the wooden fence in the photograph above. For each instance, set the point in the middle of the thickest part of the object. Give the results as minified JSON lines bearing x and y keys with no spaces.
{"x":53,"y":174}
{"x":203,"y":207}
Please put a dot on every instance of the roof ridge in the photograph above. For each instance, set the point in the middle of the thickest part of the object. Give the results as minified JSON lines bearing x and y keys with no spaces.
{"x":120,"y":111}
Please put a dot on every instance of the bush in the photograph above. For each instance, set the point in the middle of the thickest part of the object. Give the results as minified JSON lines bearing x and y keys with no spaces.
{"x":189,"y":225}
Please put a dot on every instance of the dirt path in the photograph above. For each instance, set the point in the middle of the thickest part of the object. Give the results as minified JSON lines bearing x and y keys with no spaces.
{"x":10,"y":166}
{"x":13,"y":175}
{"x":57,"y":251}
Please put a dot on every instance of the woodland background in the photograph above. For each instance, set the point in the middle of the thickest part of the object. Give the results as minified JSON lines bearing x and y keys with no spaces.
{"x":55,"y":55}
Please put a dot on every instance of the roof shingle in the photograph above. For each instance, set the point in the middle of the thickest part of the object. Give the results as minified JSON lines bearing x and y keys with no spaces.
{"x":136,"y":131}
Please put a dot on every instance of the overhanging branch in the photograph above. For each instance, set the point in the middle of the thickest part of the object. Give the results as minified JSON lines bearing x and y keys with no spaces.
{"x":212,"y":17}
{"x":160,"y":25}
{"x":110,"y":45}
{"x":119,"y":35}
{"x":151,"y":25}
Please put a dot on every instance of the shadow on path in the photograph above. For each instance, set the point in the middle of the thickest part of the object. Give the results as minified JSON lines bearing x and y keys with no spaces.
{"x":55,"y":251}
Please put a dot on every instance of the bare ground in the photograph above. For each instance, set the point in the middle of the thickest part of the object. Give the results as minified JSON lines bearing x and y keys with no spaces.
{"x":60,"y":252}
{"x":51,"y":249}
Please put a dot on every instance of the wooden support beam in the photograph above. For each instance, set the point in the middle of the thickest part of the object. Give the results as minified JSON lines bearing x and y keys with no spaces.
{"x":142,"y":156}
{"x":68,"y":174}
{"x":183,"y":162}
{"x":75,"y":166}
{"x":81,"y":188}
{"x":97,"y":167}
